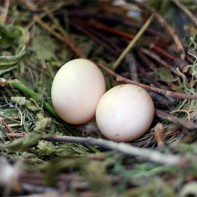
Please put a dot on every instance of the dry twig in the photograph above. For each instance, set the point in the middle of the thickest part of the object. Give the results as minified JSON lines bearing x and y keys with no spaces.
{"x":169,"y":28}
{"x":146,"y":154}
{"x":132,"y":43}
{"x":176,"y":120}
{"x":130,"y":59}
{"x":176,"y":95}
{"x":159,"y":134}
{"x":4,"y":10}
{"x":158,"y":59}
{"x":186,"y":11}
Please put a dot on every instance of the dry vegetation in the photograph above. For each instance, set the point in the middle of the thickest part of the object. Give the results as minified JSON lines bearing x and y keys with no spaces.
{"x":132,"y":43}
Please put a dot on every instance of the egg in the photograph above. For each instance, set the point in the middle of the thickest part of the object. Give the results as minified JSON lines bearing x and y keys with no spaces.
{"x":124,"y":113}
{"x":76,"y":90}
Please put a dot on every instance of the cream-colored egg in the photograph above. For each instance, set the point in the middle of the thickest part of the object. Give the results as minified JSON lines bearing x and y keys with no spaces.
{"x":124,"y":113}
{"x":76,"y":91}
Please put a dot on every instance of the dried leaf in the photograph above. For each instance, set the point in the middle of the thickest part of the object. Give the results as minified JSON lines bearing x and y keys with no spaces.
{"x":24,"y":143}
{"x":18,"y":100}
{"x":42,"y":123}
{"x":44,"y":47}
{"x":164,"y":74}
{"x":32,"y":105}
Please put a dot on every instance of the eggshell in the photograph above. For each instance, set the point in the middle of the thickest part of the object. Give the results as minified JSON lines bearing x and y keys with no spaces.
{"x":76,"y":90}
{"x":124,"y":113}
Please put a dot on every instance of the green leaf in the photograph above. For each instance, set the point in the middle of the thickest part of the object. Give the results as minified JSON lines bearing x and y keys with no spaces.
{"x":7,"y":69}
{"x":32,"y":105}
{"x":44,"y":47}
{"x":46,"y":148}
{"x":42,"y":122}
{"x":61,"y":150}
{"x":11,"y":60}
{"x":20,"y":100}
{"x":24,"y":143}
{"x":12,"y":35}
{"x":164,"y":74}
{"x":12,"y":43}
{"x":8,"y":63}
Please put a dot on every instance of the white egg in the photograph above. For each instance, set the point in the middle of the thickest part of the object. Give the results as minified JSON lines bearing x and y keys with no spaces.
{"x":76,"y":91}
{"x":7,"y":172}
{"x":124,"y":113}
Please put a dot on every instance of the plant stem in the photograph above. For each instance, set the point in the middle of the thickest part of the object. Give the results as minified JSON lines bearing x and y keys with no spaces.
{"x":186,"y":11}
{"x":179,"y":121}
{"x":176,"y":95}
{"x":132,"y":43}
{"x":146,"y":154}
{"x":171,"y":31}
{"x":21,"y":87}
{"x":24,"y":89}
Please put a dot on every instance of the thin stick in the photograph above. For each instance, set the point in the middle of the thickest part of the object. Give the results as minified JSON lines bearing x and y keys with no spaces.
{"x":169,"y":28}
{"x":129,"y":36}
{"x":184,"y":123}
{"x":4,"y":14}
{"x":186,"y":11}
{"x":9,"y":129}
{"x":176,"y":95}
{"x":131,"y":61}
{"x":162,"y":52}
{"x":146,"y":154}
{"x":56,"y":22}
{"x":96,"y":37}
{"x":132,"y":43}
{"x":172,"y":32}
{"x":108,"y":29}
{"x":159,"y":134}
{"x":30,"y":5}
{"x":16,"y":135}
{"x":158,"y":59}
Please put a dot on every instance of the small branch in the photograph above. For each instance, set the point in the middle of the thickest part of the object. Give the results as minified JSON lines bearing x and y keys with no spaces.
{"x":55,"y":22}
{"x":159,"y":134}
{"x":171,"y":31}
{"x":4,"y":14}
{"x":146,"y":154}
{"x":176,"y":95}
{"x":175,"y":37}
{"x":9,"y":129}
{"x":128,"y":36}
{"x":162,"y":52}
{"x":130,"y":59}
{"x":186,"y":11}
{"x":158,"y":59}
{"x":108,"y":29}
{"x":184,"y":123}
{"x":30,"y":5}
{"x":111,"y":47}
{"x":16,"y":135}
{"x":146,"y":60}
{"x":132,"y":43}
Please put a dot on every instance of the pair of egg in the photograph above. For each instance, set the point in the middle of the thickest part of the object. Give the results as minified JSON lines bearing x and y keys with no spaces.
{"x":123,"y":113}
